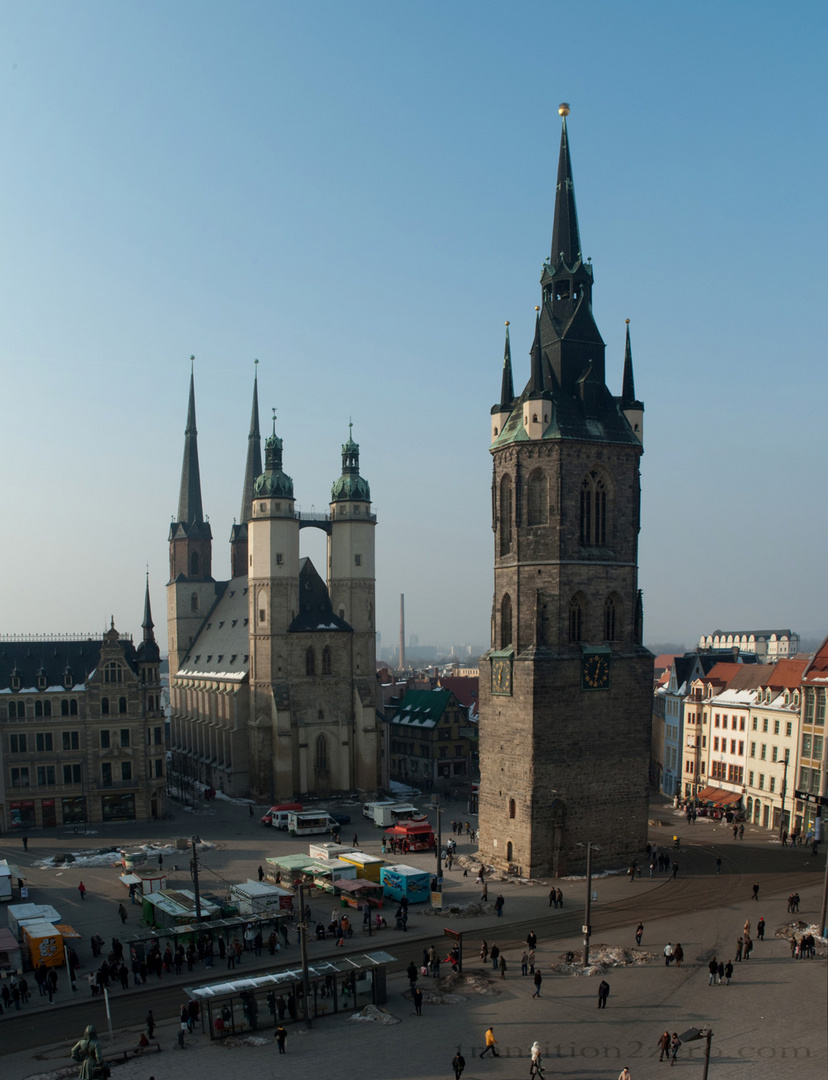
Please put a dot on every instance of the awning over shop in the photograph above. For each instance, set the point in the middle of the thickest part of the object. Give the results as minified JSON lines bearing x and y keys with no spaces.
{"x":719,"y":797}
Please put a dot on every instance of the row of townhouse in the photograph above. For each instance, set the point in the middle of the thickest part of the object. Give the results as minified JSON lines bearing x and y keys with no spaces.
{"x":746,"y":736}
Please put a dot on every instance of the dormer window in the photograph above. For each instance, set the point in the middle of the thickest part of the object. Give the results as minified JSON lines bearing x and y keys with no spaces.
{"x":41,"y":682}
{"x":15,"y":682}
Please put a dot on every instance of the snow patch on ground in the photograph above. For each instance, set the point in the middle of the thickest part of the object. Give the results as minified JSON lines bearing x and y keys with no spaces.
{"x":602,"y":959}
{"x":373,"y":1014}
{"x":112,"y":856}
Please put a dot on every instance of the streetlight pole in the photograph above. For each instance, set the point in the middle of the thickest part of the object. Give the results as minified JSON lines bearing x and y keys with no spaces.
{"x":588,"y":907}
{"x":303,"y":942}
{"x":195,"y":881}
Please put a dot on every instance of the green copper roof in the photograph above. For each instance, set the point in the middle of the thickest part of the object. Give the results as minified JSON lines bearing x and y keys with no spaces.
{"x":273,"y":482}
{"x":350,"y":487}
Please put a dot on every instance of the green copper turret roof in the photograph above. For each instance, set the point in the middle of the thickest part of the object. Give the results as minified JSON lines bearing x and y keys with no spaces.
{"x":274,"y":483}
{"x":350,"y":487}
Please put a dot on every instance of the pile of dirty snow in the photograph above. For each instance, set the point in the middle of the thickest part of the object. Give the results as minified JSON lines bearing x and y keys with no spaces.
{"x":602,"y":959}
{"x":373,"y":1014}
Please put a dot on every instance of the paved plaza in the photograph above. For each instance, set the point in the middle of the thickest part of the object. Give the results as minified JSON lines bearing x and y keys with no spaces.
{"x":770,"y":1022}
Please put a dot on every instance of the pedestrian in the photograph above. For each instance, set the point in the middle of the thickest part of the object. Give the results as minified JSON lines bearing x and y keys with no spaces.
{"x":746,"y":929}
{"x":713,"y":968}
{"x":524,"y":963}
{"x":718,"y":864}
{"x":499,"y":906}
{"x":784,"y":838}
{"x":668,"y":954}
{"x":536,"y":1068}
{"x":748,"y":948}
{"x":160,"y":862}
{"x":739,"y":946}
{"x":484,"y":896}
{"x":250,"y":809}
{"x":675,"y":875}
{"x":560,"y":897}
{"x":484,"y":951}
{"x":728,"y":972}
{"x":741,"y":831}
{"x":624,"y":1074}
{"x":122,"y":914}
{"x":532,"y":939}
{"x":639,"y":933}
{"x":553,"y":898}
{"x":675,"y":1043}
{"x":760,"y":930}
{"x":756,"y":890}
{"x":82,"y":890}
{"x":663,"y":1045}
{"x":458,"y":1063}
{"x":355,"y":841}
{"x":531,"y":961}
{"x":502,"y":966}
{"x":603,"y":994}
{"x":25,"y":843}
{"x":418,"y":1001}
{"x":678,"y":954}
{"x":537,"y":979}
{"x":494,"y":954}
{"x":491,"y":1043}
{"x":411,"y":972}
{"x":260,"y":872}
{"x":721,"y":971}
{"x":150,"y":1022}
{"x":281,"y":1038}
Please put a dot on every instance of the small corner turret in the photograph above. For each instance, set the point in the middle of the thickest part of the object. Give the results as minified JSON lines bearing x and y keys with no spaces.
{"x":501,"y":412}
{"x":631,"y":408}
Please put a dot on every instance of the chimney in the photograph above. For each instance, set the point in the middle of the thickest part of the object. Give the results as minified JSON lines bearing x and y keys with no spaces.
{"x":402,"y":631}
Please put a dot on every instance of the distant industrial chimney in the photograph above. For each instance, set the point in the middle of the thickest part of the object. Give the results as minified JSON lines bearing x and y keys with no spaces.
{"x":402,"y":631}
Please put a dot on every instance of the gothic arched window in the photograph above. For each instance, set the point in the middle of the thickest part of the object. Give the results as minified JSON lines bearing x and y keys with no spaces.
{"x":537,"y":511}
{"x":505,"y":515}
{"x":506,"y":621}
{"x":576,"y":618}
{"x":122,"y":705}
{"x":593,"y":510}
{"x":326,"y":660}
{"x":511,"y":808}
{"x":321,"y":757}
{"x":610,"y":619}
{"x":310,"y":662}
{"x":104,"y":706}
{"x":194,"y":563}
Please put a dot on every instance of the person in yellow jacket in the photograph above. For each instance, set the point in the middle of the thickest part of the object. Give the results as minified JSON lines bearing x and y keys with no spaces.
{"x":491,"y":1043}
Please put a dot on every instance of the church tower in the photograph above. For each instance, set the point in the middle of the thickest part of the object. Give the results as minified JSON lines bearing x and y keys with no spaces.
{"x":253,"y":468}
{"x":566,"y":688}
{"x":191,"y":589}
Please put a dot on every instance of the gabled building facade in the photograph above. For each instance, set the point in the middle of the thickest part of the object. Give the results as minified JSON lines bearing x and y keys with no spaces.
{"x":566,"y":688}
{"x":272,"y":672}
{"x":431,"y":739}
{"x":81,"y":730}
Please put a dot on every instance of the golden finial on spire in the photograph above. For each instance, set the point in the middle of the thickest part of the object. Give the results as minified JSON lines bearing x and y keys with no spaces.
{"x":627,"y":321}
{"x":537,"y":307}
{"x":507,"y":322}
{"x":563,"y":109}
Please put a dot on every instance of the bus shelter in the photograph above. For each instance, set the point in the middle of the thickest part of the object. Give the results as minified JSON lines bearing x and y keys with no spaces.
{"x":343,"y":985}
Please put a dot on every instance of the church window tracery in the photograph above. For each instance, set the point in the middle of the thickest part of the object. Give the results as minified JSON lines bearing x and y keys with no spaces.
{"x":537,"y":511}
{"x":310,"y":662}
{"x":505,"y":515}
{"x":321,"y":757}
{"x":326,"y":660}
{"x":506,"y":621}
{"x":610,"y":619}
{"x":576,"y":619}
{"x":593,"y":510}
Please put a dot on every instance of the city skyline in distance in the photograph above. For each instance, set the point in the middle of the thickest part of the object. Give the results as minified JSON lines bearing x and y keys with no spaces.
{"x":361,"y":206}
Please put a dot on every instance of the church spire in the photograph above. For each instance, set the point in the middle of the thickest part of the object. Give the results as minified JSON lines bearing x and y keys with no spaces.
{"x":507,"y":388}
{"x":566,"y":240}
{"x":253,"y":468}
{"x":147,"y":624}
{"x":536,"y":383}
{"x":628,"y":387}
{"x":189,"y":499}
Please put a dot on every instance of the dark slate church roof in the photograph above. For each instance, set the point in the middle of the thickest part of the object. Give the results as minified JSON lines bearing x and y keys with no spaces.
{"x":221,"y":649}
{"x":315,"y":609}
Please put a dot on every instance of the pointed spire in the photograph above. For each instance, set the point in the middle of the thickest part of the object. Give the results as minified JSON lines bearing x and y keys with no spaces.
{"x":148,"y":624}
{"x":566,"y":241}
{"x":507,"y":389}
{"x":189,"y":499}
{"x":253,"y":468}
{"x":628,"y":387}
{"x":536,"y":382}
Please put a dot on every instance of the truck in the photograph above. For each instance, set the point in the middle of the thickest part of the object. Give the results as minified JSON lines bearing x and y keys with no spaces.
{"x":277,"y":816}
{"x":310,"y":822}
{"x":384,"y":816}
{"x":369,"y":807}
{"x":5,"y":880}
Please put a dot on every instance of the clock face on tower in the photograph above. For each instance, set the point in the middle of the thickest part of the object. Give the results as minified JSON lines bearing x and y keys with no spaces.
{"x":501,"y":676}
{"x":595,"y":671}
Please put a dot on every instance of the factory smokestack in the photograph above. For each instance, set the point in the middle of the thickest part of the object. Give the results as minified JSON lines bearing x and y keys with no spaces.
{"x":402,"y":631}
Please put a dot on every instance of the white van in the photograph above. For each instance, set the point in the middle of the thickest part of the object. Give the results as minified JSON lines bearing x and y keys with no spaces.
{"x":368,"y":808}
{"x":310,"y":822}
{"x":5,"y":880}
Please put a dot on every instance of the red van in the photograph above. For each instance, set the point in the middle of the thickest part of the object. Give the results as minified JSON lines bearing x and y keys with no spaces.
{"x":277,"y":816}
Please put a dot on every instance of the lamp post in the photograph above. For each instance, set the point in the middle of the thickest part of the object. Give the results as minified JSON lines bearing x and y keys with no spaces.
{"x":588,"y":907}
{"x":691,"y":1035}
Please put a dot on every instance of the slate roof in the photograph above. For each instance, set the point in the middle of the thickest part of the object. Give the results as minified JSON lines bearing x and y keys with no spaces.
{"x":34,"y":659}
{"x":221,"y":649}
{"x":315,"y":609}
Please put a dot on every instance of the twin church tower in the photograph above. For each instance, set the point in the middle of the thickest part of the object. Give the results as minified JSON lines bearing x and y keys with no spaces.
{"x":273,"y":672}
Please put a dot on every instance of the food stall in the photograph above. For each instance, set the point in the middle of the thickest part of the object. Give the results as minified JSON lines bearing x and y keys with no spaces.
{"x":368,"y":866}
{"x":20,"y":914}
{"x":327,"y":873}
{"x":406,"y":881}
{"x":174,"y":907}
{"x":256,"y":898}
{"x":328,"y":850}
{"x":43,"y":942}
{"x":418,"y":835}
{"x":11,"y":955}
{"x":145,"y":881}
{"x":354,"y":893}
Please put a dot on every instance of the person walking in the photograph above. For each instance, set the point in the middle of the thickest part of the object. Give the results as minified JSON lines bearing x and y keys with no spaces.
{"x":748,"y":948}
{"x":675,"y":1043}
{"x":250,"y":809}
{"x":536,"y":1068}
{"x":639,"y":933}
{"x":25,"y":843}
{"x":718,"y":864}
{"x":713,"y":968}
{"x":756,"y":890}
{"x":499,"y":906}
{"x":603,"y":994}
{"x":280,"y":1035}
{"x":728,"y":972}
{"x":495,"y":955}
{"x":524,"y":963}
{"x":760,"y":930}
{"x":531,"y":961}
{"x":502,"y":966}
{"x":417,"y":995}
{"x":260,"y":872}
{"x":122,"y":914}
{"x":491,"y":1043}
{"x":668,"y":954}
{"x":625,"y":1074}
{"x":553,"y":898}
{"x":458,"y":1063}
{"x":82,"y":890}
{"x":678,"y":954}
{"x":484,"y":896}
{"x":150,"y":1022}
{"x":663,"y":1045}
{"x":537,"y":979}
{"x":532,"y":939}
{"x":739,"y":946}
{"x":484,"y":950}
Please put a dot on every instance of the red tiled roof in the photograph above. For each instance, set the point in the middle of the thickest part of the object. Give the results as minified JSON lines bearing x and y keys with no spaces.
{"x":787,"y":674}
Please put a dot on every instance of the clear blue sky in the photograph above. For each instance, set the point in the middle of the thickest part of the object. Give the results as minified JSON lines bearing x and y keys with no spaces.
{"x":359,"y":195}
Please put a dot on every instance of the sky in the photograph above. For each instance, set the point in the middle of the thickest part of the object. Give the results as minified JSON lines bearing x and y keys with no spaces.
{"x":358,"y":196}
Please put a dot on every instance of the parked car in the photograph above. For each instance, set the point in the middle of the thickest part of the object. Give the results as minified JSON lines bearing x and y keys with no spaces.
{"x":341,"y":819}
